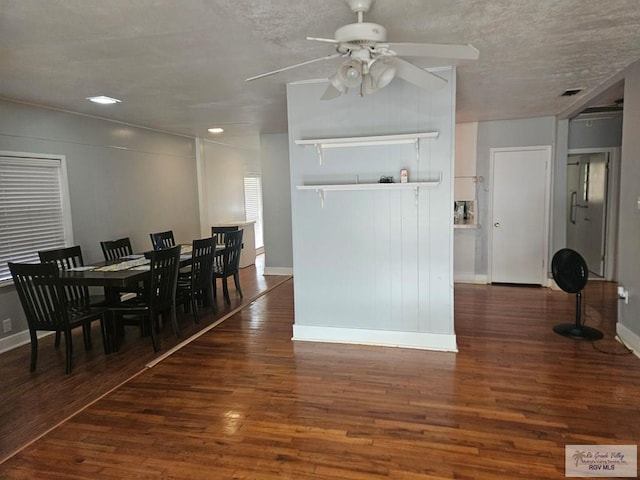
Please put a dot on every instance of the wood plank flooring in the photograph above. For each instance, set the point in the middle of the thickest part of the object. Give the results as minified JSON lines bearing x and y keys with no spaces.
{"x":31,"y":404}
{"x":243,"y":401}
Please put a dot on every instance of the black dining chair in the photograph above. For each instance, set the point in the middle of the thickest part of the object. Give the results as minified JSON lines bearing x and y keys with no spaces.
{"x":162,"y":240}
{"x":159,"y":295}
{"x":66,"y":259}
{"x":115,"y":249}
{"x":219,"y":233}
{"x":45,"y":305}
{"x":199,"y":284}
{"x":228,"y":264}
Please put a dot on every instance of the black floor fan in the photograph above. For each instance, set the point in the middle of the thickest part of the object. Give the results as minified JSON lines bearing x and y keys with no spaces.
{"x":571,"y":273}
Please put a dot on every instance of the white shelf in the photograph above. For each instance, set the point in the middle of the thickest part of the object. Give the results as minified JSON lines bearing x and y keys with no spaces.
{"x":321,"y":189}
{"x":373,"y":140}
{"x":340,"y":142}
{"x":369,"y":186}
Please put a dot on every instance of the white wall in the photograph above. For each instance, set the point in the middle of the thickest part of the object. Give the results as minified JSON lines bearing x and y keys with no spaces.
{"x":276,"y":198}
{"x":599,"y":132}
{"x":465,"y":188}
{"x":223,"y":169}
{"x":123,"y":180}
{"x":510,"y":133}
{"x":373,"y":261}
{"x":629,"y":222}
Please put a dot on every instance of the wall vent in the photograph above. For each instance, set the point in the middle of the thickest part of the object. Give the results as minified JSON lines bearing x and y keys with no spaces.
{"x":570,"y":92}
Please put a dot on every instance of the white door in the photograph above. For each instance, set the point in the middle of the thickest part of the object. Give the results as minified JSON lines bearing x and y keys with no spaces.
{"x":519,"y":215}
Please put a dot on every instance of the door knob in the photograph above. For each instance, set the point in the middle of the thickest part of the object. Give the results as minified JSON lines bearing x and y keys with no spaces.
{"x":497,"y":224}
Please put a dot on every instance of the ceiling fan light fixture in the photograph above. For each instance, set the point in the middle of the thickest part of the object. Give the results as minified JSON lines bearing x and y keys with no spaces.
{"x":338,"y":84}
{"x":350,"y":73}
{"x":382,"y":73}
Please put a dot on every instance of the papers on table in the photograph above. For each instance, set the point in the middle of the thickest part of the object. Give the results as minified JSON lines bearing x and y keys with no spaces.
{"x":81,"y":269}
{"x":126,"y":265}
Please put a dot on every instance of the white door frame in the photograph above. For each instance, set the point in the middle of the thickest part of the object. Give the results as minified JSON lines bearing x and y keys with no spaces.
{"x":547,"y":207}
{"x":613,"y":190}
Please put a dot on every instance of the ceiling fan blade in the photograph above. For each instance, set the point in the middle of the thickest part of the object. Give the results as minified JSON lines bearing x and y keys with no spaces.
{"x":330,"y":93}
{"x":416,"y":75}
{"x":325,"y":40}
{"x":436,"y":50}
{"x":328,"y":57}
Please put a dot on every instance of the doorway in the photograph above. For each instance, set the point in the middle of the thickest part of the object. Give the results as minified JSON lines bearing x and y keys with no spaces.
{"x":591,"y":206}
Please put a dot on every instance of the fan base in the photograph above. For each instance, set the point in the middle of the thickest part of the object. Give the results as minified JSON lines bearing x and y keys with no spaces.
{"x":581,"y":333}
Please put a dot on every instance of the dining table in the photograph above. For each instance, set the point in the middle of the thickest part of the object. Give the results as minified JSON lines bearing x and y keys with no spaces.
{"x":118,"y":275}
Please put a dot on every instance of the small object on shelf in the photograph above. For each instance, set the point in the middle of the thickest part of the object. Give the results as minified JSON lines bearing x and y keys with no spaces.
{"x":386,"y":179}
{"x":404,"y":175}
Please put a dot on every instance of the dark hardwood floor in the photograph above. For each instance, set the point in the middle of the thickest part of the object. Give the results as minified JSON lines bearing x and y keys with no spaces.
{"x":243,"y":401}
{"x":31,"y":404}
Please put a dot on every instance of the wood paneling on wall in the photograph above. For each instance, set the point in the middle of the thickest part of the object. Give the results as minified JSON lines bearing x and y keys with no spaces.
{"x":369,"y":262}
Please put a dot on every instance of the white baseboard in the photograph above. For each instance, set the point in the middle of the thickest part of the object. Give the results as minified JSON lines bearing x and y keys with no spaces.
{"x":18,"y":339}
{"x":278,"y":271}
{"x":383,"y":338}
{"x":479,"y":279}
{"x":629,"y":338}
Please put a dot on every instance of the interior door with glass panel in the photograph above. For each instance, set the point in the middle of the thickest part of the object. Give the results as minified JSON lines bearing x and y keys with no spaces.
{"x":587,"y":177}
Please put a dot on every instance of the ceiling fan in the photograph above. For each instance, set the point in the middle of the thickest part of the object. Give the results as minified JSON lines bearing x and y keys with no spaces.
{"x":371,"y":62}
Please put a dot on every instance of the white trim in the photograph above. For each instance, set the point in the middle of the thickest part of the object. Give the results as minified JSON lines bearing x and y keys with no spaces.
{"x":629,"y":338}
{"x":471,"y":278}
{"x":18,"y":339}
{"x":547,"y":206}
{"x":613,"y":194}
{"x":278,"y":271}
{"x":383,"y":338}
{"x":203,"y":207}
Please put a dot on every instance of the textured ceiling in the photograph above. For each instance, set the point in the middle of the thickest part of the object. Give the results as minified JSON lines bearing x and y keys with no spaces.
{"x":179,"y":66}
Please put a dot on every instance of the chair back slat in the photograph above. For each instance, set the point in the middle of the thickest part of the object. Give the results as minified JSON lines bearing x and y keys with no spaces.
{"x":162,"y":240}
{"x":115,"y":249}
{"x":219,"y":233}
{"x":202,"y":253}
{"x":66,"y":258}
{"x":164,"y":276}
{"x":233,"y":247}
{"x":42,"y":298}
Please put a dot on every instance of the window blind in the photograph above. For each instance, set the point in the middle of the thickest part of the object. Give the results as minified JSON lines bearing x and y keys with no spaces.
{"x":31,"y":209}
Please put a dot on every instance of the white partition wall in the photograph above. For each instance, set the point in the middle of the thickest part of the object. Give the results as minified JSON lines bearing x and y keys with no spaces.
{"x":373,"y":263}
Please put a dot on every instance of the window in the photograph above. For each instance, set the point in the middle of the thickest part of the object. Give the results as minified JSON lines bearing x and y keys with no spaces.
{"x":253,"y":206}
{"x":34,"y":207}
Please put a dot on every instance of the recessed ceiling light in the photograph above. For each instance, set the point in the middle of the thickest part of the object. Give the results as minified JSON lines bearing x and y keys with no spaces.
{"x":216,"y":130}
{"x":101,"y":99}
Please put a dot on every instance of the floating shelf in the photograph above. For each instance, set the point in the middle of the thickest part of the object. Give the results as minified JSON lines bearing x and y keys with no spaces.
{"x":373,"y":140}
{"x":369,"y":140}
{"x":321,"y":189}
